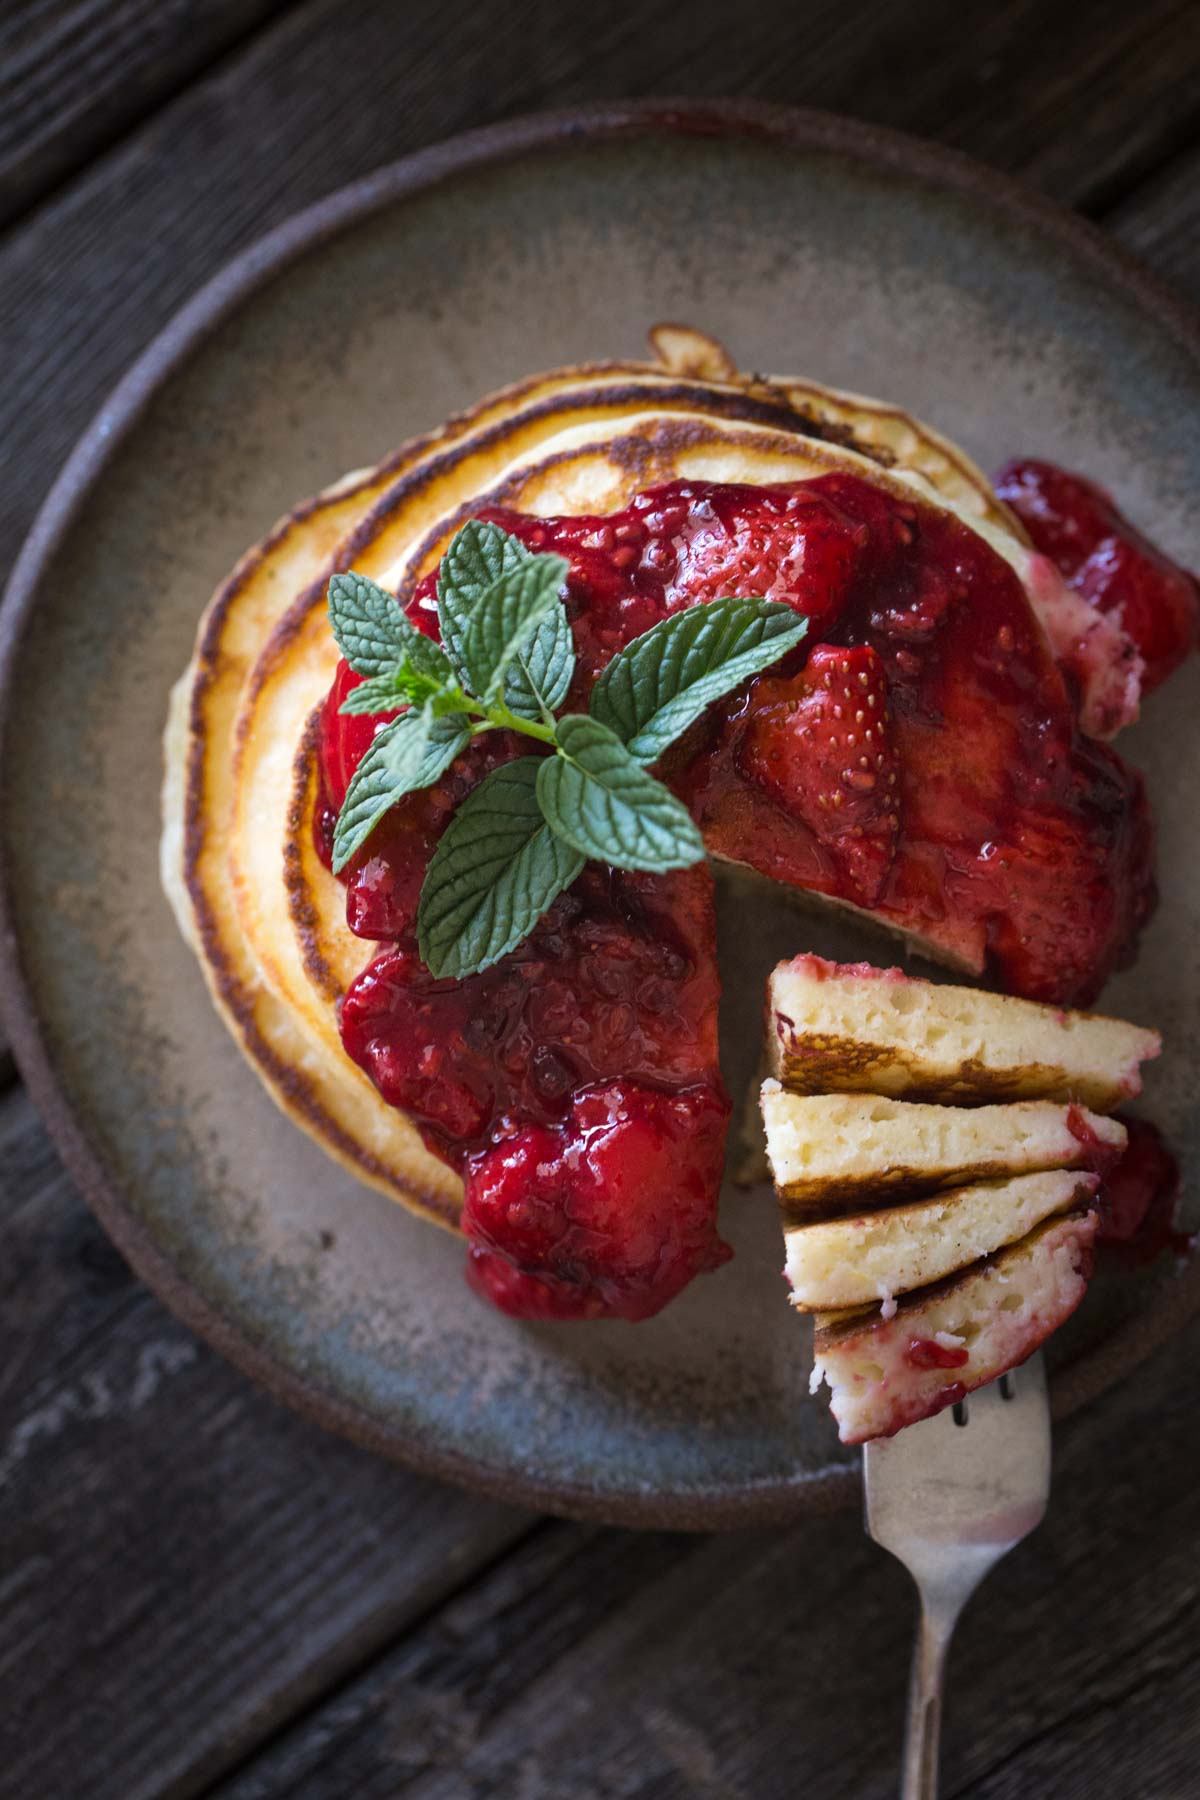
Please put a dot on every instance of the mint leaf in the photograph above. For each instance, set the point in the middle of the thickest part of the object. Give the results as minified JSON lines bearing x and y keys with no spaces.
{"x":476,"y":558}
{"x":537,"y":659}
{"x":373,"y":634}
{"x":496,"y":869}
{"x":505,"y":616}
{"x":540,"y":674}
{"x":409,"y":753}
{"x":660,"y":683}
{"x":403,"y":686}
{"x":596,"y":796}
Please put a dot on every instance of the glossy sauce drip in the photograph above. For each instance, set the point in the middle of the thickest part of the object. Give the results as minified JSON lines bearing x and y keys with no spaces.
{"x":927,"y":1353}
{"x":1139,"y":1198}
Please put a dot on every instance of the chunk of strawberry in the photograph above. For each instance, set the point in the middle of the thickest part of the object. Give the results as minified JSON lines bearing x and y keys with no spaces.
{"x":524,"y":1296}
{"x":1107,"y":560}
{"x":819,"y":743}
{"x":1157,"y":603}
{"x":793,"y":546}
{"x":616,"y":1206}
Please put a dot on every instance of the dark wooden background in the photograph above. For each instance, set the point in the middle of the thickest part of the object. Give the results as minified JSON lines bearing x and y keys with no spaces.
{"x":200,"y":1593}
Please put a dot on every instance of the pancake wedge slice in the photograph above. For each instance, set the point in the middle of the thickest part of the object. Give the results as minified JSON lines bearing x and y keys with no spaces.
{"x":946,"y":1340}
{"x":872,"y":1256}
{"x":837,"y":1150}
{"x":850,"y":1028}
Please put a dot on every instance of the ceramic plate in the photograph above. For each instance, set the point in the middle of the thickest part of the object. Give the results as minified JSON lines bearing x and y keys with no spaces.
{"x":807,"y":244}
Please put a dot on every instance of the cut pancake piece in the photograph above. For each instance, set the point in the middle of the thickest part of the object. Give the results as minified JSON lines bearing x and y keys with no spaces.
{"x":851,"y":1028}
{"x":873,"y":1256}
{"x":946,"y":1340}
{"x":833,"y":1149}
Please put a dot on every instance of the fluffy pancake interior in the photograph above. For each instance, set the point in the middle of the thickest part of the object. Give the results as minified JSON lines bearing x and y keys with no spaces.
{"x":876,"y":1031}
{"x":837,"y":1149}
{"x":872,"y":1256}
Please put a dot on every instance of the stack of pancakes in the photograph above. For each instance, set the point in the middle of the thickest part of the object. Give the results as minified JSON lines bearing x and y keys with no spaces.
{"x":937,"y":1152}
{"x":264,"y":915}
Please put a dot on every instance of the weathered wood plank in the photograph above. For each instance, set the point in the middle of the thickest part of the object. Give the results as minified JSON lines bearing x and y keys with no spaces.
{"x":606,"y":1664}
{"x":75,"y":74}
{"x":1161,"y":223}
{"x":183,"y":1564}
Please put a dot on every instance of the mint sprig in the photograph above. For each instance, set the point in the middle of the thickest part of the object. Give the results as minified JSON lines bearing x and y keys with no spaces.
{"x":402,"y":686}
{"x":539,"y":679}
{"x":506,"y":662}
{"x":476,"y":559}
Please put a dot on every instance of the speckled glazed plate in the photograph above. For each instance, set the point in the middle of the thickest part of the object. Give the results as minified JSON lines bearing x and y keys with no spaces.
{"x":806,"y":243}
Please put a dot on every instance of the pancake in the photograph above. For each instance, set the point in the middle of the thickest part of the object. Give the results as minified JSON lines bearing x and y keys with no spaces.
{"x":323,"y":1093}
{"x":856,"y":1029}
{"x":873,"y":1256}
{"x":239,"y":863}
{"x":946,"y":1340}
{"x":841,"y":1150}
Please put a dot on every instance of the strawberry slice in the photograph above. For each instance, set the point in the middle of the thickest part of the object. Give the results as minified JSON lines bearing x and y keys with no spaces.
{"x":821,"y":746}
{"x":793,"y":546}
{"x":1102,"y":556}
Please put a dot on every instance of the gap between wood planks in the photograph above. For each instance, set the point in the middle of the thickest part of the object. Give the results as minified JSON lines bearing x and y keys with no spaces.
{"x":78,"y":76}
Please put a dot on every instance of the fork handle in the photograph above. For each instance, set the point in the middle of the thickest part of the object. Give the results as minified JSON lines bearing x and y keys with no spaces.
{"x":923,"y":1737}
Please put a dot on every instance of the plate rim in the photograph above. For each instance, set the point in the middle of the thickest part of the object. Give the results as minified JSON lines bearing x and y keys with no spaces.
{"x":704,"y":1508}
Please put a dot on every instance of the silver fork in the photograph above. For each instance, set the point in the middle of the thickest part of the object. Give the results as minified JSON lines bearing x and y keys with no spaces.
{"x":950,"y":1497}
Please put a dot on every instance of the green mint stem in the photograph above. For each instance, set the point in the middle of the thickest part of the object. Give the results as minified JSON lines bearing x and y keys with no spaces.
{"x":511,"y":721}
{"x":500,"y":718}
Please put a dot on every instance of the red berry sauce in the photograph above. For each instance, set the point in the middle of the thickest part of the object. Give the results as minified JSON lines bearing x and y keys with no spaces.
{"x":1101,"y":1155}
{"x":1107,"y":560}
{"x":917,"y":755}
{"x":1139,"y":1198}
{"x":613,"y":1207}
{"x":927,"y":1353}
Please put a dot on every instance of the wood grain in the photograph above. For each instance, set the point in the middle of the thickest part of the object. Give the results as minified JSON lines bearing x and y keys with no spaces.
{"x":773,"y":1664}
{"x":1161,"y":223}
{"x":183,"y":1564}
{"x":75,"y":74}
{"x":198,"y":1588}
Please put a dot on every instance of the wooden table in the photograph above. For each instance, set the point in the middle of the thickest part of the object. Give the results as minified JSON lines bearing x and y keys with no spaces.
{"x":200,"y":1593}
